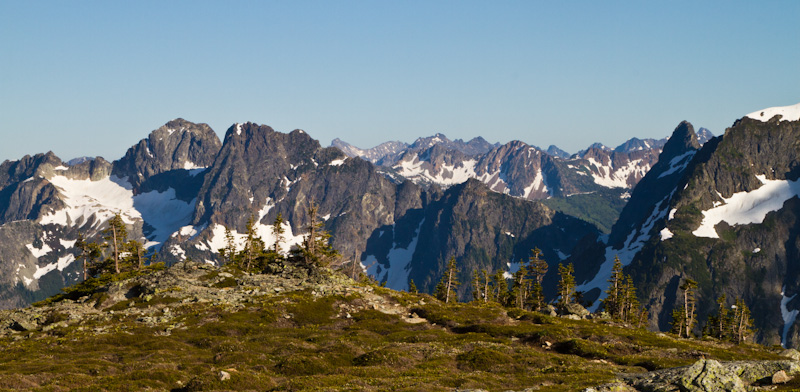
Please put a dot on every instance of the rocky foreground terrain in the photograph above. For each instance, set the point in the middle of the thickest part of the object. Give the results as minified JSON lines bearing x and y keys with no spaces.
{"x":194,"y":327}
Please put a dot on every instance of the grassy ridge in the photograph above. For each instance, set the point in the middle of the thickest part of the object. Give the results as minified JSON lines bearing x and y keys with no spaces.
{"x":301,"y":340}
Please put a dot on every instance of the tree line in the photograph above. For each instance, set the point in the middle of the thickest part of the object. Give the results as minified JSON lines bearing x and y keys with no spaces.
{"x":523,"y":290}
{"x":313,"y":252}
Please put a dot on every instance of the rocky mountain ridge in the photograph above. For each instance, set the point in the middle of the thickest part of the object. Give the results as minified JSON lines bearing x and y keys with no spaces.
{"x":723,"y":215}
{"x":180,"y":189}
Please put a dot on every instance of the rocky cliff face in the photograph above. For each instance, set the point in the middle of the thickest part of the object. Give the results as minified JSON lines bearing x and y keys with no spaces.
{"x":480,"y":228}
{"x":725,"y":216}
{"x":260,"y":173}
{"x":178,"y":144}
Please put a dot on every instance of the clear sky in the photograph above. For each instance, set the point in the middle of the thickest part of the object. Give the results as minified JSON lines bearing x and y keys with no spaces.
{"x":94,"y":77}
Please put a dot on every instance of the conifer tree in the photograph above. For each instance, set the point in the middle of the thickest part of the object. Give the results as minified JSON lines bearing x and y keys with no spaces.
{"x":678,"y":325}
{"x":718,"y":324}
{"x":315,"y":250}
{"x":278,"y":231}
{"x":477,"y":287}
{"x":612,"y":302}
{"x":412,"y":288}
{"x":89,"y":252}
{"x":741,"y":324}
{"x":487,"y":293}
{"x":446,"y":289}
{"x":253,"y":246}
{"x":117,"y":234}
{"x":228,"y":253}
{"x":689,"y":305}
{"x":519,"y":287}
{"x":538,"y":268}
{"x":135,"y":255}
{"x":631,"y":312}
{"x":500,"y":287}
{"x":566,"y":284}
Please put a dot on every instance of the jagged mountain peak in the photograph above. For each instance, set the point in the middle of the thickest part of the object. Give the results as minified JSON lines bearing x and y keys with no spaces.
{"x":636,"y":144}
{"x":704,"y":135}
{"x":178,"y":144}
{"x":553,"y":150}
{"x":683,"y":139}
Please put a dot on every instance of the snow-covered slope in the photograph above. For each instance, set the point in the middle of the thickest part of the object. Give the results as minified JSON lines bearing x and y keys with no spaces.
{"x":788,"y":113}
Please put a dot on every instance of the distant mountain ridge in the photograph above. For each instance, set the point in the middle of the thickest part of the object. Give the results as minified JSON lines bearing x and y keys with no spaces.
{"x":179,"y":189}
{"x":726,"y":215}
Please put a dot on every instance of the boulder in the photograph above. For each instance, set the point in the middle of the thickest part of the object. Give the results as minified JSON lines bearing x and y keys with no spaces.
{"x":791,"y":353}
{"x":780,"y":377}
{"x":574,"y":309}
{"x":708,"y":375}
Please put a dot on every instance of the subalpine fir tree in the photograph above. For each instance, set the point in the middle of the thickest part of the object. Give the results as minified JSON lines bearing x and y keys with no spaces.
{"x":538,"y":269}
{"x":278,"y":231}
{"x":228,"y":253}
{"x":90,"y":252}
{"x":566,"y":284}
{"x":741,"y":325}
{"x":412,"y":288}
{"x":315,"y":251}
{"x":487,"y":291}
{"x":520,"y":286}
{"x":717,"y":325}
{"x":118,"y":235}
{"x":478,"y":293}
{"x":135,"y":255}
{"x":500,"y":287}
{"x":630,"y":306}
{"x":613,"y":301}
{"x":678,"y":325}
{"x":689,"y":305}
{"x":446,"y":290}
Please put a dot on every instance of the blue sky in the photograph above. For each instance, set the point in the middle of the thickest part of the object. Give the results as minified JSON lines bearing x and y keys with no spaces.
{"x":92,"y":78}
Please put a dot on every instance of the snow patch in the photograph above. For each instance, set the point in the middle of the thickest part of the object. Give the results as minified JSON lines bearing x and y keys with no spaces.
{"x":67,"y":244}
{"x":62,"y":263}
{"x":611,"y":177}
{"x":446,"y":176}
{"x":396,"y":275}
{"x":678,"y":163}
{"x":789,"y":113}
{"x":337,"y":162}
{"x":789,"y":317}
{"x":189,"y":165}
{"x":37,"y":253}
{"x":666,"y":234}
{"x":633,"y":244}
{"x":537,"y":184}
{"x":164,"y":212}
{"x":748,"y":207}
{"x":60,"y":167}
{"x":85,"y":198}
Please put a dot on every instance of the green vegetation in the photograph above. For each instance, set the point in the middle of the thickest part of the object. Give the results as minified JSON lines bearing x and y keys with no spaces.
{"x":600,"y":208}
{"x":302,"y":340}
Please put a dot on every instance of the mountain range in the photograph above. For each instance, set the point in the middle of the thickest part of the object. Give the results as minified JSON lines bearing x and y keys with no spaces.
{"x":717,"y":210}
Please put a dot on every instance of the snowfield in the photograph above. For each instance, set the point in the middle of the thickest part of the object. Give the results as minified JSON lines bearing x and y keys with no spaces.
{"x":396,"y":275}
{"x":748,"y":207}
{"x":789,"y":113}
